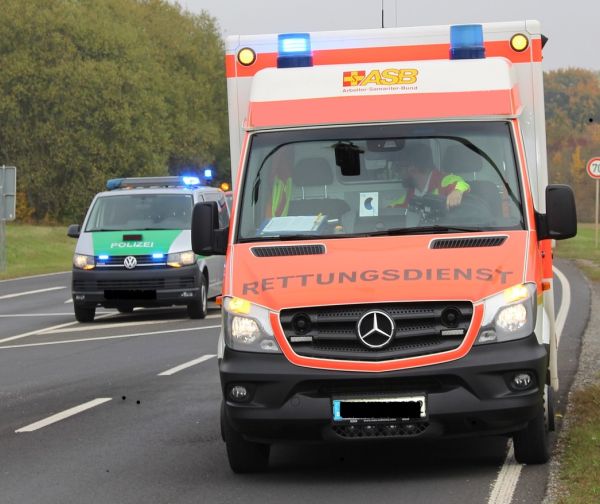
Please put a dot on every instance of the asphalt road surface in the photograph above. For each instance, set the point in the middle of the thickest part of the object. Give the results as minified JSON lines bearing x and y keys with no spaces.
{"x":126,"y":410}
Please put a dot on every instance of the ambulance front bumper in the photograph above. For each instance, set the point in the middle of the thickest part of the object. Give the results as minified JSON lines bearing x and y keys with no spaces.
{"x":471,"y":396}
{"x":147,"y":287}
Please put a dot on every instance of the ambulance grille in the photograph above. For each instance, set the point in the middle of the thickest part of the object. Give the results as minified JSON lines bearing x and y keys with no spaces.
{"x":288,"y":250}
{"x":485,"y":241}
{"x":331,"y":332}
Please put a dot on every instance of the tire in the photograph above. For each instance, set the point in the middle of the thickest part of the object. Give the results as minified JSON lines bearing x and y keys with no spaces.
{"x":549,"y":408}
{"x":125,"y":309}
{"x":244,"y":456}
{"x":199,"y":308}
{"x":84,"y":313}
{"x":531,"y":443}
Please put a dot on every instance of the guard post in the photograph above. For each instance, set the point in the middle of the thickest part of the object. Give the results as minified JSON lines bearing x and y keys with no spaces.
{"x":8,"y":206}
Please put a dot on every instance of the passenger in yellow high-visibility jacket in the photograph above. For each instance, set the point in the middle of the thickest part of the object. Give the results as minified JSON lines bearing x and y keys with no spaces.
{"x":420,"y":178}
{"x":281,"y":182}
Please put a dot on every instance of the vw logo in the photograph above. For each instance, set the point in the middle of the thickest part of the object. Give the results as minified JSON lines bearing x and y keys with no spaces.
{"x":376,"y":329}
{"x":130,"y":262}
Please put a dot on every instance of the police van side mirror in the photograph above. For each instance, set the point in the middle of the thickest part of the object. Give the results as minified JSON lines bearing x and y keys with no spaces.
{"x":73,"y":231}
{"x":207,"y":238}
{"x":560,"y":220}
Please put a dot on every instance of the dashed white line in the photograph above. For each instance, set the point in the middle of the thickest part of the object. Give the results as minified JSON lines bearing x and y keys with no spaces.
{"x":506,"y":482}
{"x":97,"y":327}
{"x":34,"y":276}
{"x":70,"y":300}
{"x":63,"y":414}
{"x":27,"y":293}
{"x":186,"y":365}
{"x":100,"y":338}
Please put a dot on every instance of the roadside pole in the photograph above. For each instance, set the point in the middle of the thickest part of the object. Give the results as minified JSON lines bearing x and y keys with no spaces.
{"x":8,"y":200}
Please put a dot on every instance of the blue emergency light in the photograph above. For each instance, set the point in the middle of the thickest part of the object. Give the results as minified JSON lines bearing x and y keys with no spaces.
{"x":190,"y":181}
{"x":114,"y":183}
{"x":294,"y":50}
{"x":158,"y":256}
{"x":103,"y":257}
{"x":466,"y":42}
{"x":208,"y":173}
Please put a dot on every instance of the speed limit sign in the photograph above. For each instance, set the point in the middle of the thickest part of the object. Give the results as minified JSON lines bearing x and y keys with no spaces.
{"x":593,"y":167}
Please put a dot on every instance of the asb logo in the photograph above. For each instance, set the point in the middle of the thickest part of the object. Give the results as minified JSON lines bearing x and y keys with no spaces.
{"x":386,"y":77}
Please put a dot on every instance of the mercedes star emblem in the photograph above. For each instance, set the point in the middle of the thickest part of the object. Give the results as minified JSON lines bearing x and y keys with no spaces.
{"x":130,"y":262}
{"x":376,"y":329}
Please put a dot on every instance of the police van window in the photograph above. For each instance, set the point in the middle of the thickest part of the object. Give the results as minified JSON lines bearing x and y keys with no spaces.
{"x":222,"y":205}
{"x":454,"y":174}
{"x":128,"y":212}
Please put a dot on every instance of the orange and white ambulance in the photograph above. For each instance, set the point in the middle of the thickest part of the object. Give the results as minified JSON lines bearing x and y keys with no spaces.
{"x":388,"y":267}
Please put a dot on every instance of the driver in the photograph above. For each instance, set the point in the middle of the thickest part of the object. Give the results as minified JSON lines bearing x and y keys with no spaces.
{"x":420,"y":178}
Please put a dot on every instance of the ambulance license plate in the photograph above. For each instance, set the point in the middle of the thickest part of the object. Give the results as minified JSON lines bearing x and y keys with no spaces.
{"x":380,"y":409}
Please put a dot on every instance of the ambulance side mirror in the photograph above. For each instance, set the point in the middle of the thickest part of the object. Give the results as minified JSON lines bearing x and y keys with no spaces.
{"x":207,"y":238}
{"x":73,"y":231}
{"x":560,"y":220}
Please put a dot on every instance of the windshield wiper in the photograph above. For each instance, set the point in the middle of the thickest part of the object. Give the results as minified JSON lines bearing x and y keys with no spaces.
{"x":424,"y":230}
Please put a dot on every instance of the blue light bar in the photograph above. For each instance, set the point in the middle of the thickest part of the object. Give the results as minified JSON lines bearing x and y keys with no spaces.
{"x":158,"y":256}
{"x":190,"y":180}
{"x":103,"y":257}
{"x":294,"y":50}
{"x":466,"y":42}
{"x":208,"y":173}
{"x":114,"y":183}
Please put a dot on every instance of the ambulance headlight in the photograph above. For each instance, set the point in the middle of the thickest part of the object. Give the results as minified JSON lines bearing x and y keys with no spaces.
{"x":84,"y":262}
{"x":247,"y":327}
{"x":181,"y":259}
{"x":509,"y":315}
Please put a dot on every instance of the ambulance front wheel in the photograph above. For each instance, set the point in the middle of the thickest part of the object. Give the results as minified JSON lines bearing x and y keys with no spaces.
{"x":198,"y":308}
{"x":531,"y":443}
{"x":244,"y":456}
{"x":85,"y":312}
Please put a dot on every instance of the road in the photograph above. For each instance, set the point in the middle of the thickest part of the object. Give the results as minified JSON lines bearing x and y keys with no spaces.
{"x":147,"y":429}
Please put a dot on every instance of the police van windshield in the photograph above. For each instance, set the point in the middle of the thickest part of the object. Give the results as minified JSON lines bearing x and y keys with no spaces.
{"x":129,"y":212}
{"x":356,"y":181}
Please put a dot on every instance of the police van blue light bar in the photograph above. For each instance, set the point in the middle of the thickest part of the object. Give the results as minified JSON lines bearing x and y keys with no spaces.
{"x":466,"y":42}
{"x":187,"y":180}
{"x":133,"y":182}
{"x":294,"y":50}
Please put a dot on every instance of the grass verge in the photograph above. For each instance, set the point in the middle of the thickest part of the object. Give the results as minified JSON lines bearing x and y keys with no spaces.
{"x":582,"y":249}
{"x":33,"y":250}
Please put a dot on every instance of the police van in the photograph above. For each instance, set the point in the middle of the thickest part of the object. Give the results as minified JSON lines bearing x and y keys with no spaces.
{"x":134,"y":248}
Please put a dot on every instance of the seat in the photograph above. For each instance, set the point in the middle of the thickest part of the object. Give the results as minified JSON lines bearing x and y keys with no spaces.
{"x":312,"y":176}
{"x":461,"y":160}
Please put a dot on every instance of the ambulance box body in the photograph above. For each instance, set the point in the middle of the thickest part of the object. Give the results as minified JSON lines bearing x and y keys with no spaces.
{"x":134,"y":248}
{"x":388,"y":268}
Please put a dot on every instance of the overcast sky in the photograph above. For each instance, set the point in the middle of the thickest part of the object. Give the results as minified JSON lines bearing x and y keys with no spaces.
{"x":573,"y":26}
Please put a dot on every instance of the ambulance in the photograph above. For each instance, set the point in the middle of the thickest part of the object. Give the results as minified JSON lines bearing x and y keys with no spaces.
{"x":134,"y":248}
{"x":388,"y":269}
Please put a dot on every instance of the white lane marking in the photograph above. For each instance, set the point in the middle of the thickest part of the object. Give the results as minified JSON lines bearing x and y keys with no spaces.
{"x":70,"y":300}
{"x":100,"y":338}
{"x":42,"y":331}
{"x":64,"y":414}
{"x":186,"y":365}
{"x":561,"y":316}
{"x":27,"y":293}
{"x":34,"y":276}
{"x":97,"y":327}
{"x":506,"y":482}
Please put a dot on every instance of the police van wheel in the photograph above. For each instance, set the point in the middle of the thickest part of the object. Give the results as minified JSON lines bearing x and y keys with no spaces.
{"x":85,"y":313}
{"x":244,"y":456}
{"x":125,"y":308}
{"x":199,"y":308}
{"x":531,"y":443}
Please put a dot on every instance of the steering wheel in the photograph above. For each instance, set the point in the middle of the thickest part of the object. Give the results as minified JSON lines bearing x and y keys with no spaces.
{"x":472,"y":211}
{"x":430,"y":207}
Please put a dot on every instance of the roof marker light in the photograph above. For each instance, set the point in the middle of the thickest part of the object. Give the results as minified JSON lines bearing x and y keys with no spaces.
{"x":246,"y":56}
{"x":294,"y":50}
{"x":466,"y":42}
{"x":189,"y":181}
{"x":519,"y":42}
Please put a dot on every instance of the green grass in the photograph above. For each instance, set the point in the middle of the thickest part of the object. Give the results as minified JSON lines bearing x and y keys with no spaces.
{"x":32,"y":250}
{"x":582,"y":249}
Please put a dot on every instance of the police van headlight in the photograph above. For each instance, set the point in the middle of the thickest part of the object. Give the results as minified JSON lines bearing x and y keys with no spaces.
{"x":84,"y":262}
{"x":247,"y":327}
{"x":509,"y":315}
{"x":180,"y":259}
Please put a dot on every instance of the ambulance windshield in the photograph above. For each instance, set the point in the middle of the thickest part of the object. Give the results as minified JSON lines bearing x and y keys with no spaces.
{"x":396,"y":179}
{"x":137,"y":212}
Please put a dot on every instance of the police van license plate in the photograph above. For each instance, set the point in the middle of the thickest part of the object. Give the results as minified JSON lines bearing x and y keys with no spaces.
{"x":380,"y":409}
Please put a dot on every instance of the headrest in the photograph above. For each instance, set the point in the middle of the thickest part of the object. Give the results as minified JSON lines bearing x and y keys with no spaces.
{"x":461,"y":159}
{"x":312,"y":172}
{"x":418,"y":155}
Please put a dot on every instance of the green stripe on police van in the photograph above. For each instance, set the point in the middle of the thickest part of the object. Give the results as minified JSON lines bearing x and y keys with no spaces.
{"x":134,"y":242}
